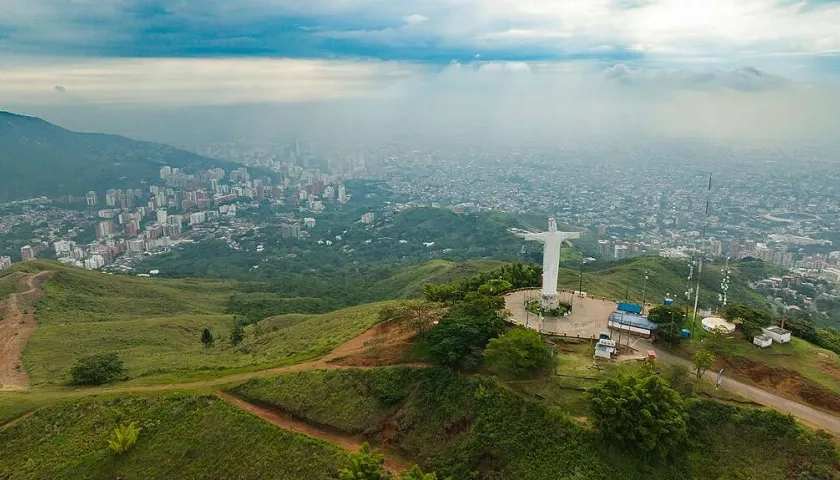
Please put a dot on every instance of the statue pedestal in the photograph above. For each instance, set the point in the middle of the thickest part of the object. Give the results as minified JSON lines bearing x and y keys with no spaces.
{"x":549,"y":301}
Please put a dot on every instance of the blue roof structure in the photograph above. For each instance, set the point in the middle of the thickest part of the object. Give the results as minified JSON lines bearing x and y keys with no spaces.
{"x":629,"y":307}
{"x":633,"y":320}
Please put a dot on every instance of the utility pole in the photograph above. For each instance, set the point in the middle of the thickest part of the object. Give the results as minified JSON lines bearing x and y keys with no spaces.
{"x":644,"y":288}
{"x":671,"y":338}
{"x":696,"y":296}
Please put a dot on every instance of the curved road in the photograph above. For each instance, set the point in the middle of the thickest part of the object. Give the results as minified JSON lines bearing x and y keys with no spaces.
{"x":805,"y":414}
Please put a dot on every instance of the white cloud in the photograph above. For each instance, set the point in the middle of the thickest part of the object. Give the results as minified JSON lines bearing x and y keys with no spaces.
{"x":415,"y":19}
{"x":195,"y":81}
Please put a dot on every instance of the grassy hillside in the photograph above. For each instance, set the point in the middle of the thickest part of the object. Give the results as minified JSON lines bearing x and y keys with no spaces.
{"x":167,"y":348}
{"x":9,"y":283}
{"x":408,"y":282}
{"x":626,"y":278}
{"x":183,"y":436}
{"x":155,"y":324}
{"x":464,"y":426}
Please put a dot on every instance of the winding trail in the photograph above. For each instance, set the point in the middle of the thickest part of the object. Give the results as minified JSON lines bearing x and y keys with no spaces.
{"x":16,"y":326}
{"x":351,"y":443}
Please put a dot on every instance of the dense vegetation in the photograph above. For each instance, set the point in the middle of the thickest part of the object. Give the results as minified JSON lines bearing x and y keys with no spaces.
{"x":181,"y":436}
{"x":466,"y":426}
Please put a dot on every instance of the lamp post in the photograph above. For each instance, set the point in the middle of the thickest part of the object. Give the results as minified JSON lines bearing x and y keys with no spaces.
{"x":644,"y":287}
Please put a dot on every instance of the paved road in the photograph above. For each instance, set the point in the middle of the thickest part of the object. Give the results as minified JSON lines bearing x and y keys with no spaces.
{"x":805,"y":414}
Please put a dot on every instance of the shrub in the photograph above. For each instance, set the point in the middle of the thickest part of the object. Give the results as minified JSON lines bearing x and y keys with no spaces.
{"x":97,"y":369}
{"x":364,"y":465}
{"x":124,"y":437}
{"x":519,"y":352}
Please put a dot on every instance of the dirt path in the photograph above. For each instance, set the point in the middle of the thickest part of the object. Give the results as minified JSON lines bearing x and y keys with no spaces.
{"x":351,"y":443}
{"x":805,"y":414}
{"x":17,"y":324}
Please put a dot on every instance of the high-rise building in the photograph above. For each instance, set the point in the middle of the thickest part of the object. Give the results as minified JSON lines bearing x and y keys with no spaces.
{"x":161,"y":216}
{"x":602,"y":230}
{"x":620,"y":252}
{"x":5,"y":262}
{"x":63,"y":247}
{"x":111,"y":198}
{"x":105,"y":229}
{"x":90,"y":198}
{"x":342,"y":193}
{"x":368,"y":218}
{"x":26,"y":253}
{"x":604,"y":248}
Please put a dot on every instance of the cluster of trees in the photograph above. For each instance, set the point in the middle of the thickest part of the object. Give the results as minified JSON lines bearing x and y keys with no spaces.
{"x":493,"y":282}
{"x":367,"y":464}
{"x":473,"y":330}
{"x":749,"y":319}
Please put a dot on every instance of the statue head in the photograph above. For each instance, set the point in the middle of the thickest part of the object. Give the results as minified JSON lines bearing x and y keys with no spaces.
{"x":552,"y":225}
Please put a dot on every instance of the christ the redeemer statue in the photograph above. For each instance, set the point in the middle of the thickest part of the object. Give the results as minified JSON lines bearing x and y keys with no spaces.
{"x":549,"y":299}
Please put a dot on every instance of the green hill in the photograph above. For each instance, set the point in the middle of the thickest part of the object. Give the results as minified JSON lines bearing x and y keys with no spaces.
{"x":155,"y":324}
{"x":48,"y":160}
{"x":474,"y":427}
{"x":183,"y":436}
{"x":625,"y":279}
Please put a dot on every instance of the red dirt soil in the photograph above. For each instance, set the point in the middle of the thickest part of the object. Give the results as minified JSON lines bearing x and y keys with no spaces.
{"x":385,"y":344}
{"x":786,"y":382}
{"x":17,"y":324}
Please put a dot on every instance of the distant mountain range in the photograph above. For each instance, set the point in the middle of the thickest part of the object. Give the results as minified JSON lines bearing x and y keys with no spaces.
{"x":39,"y":158}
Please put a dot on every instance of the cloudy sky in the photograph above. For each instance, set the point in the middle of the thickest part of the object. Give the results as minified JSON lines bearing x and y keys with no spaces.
{"x":767,"y":67}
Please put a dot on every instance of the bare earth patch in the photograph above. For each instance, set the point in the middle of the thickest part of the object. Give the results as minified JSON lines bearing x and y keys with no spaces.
{"x":16,"y":326}
{"x":789,"y":383}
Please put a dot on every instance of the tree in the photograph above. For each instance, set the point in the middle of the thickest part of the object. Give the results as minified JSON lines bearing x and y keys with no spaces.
{"x":124,"y":437}
{"x":97,"y":369}
{"x":366,"y":464}
{"x":459,"y":339}
{"x":641,"y":413}
{"x":519,"y":353}
{"x":416,"y":474}
{"x":703,"y":361}
{"x":495,"y":287}
{"x":749,"y":319}
{"x":237,"y":335}
{"x":663,"y":315}
{"x":207,"y":338}
{"x":718,"y":340}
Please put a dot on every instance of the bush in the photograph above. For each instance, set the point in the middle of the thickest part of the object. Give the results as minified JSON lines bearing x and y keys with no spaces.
{"x":97,"y":369}
{"x":459,"y":340}
{"x":124,"y":437}
{"x":642,"y":414}
{"x":364,"y":465}
{"x":519,"y":353}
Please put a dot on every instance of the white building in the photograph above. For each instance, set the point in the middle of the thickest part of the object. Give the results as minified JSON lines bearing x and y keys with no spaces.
{"x":162,"y":216}
{"x":5,"y":262}
{"x":605,"y":348}
{"x":63,"y":246}
{"x":368,"y":218}
{"x":778,"y":334}
{"x":197,"y":218}
{"x":762,"y":341}
{"x":309,"y":222}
